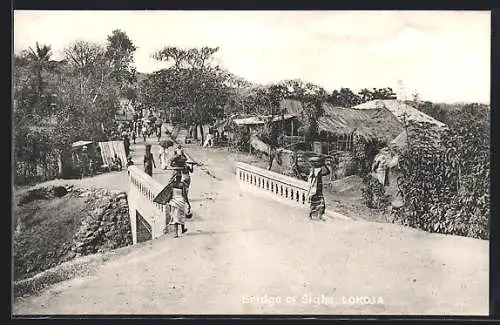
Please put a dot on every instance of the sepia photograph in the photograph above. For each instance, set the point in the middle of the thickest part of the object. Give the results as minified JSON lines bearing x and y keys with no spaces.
{"x":251,"y":163}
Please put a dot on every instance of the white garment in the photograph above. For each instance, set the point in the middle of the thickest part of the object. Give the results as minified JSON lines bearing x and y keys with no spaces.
{"x":162,"y":155}
{"x":313,"y":181}
{"x":209,"y":141}
{"x":380,"y":169}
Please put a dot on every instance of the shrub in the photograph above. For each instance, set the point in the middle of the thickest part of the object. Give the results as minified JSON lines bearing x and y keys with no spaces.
{"x":241,"y":139}
{"x":445,"y":184}
{"x":364,"y":152}
{"x":373,"y":193}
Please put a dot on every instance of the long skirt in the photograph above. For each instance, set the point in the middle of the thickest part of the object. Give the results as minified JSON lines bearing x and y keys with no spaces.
{"x":177,"y":213}
{"x":163,"y":161}
{"x":317,"y":207}
{"x":149,"y":170}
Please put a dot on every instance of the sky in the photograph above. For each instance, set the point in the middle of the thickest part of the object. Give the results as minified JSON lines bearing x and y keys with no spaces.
{"x":444,"y":56}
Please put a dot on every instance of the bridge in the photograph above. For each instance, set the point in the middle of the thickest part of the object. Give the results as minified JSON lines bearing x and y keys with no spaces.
{"x":251,"y":249}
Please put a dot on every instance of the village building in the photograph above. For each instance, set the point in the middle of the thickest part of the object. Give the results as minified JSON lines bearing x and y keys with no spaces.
{"x":378,"y":122}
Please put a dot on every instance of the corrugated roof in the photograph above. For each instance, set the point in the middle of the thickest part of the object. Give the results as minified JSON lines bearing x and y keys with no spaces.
{"x":256,"y":120}
{"x":81,"y":143}
{"x":400,"y":110}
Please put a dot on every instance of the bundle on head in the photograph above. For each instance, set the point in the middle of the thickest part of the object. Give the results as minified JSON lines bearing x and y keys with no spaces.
{"x":179,"y":161}
{"x":317,"y":161}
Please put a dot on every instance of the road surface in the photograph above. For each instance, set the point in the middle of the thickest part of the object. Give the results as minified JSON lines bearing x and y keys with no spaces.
{"x":248,"y":254}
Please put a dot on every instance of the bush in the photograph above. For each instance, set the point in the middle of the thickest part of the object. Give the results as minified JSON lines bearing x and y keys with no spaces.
{"x":241,"y":139}
{"x":373,"y":193}
{"x":364,"y":152}
{"x":445,"y":184}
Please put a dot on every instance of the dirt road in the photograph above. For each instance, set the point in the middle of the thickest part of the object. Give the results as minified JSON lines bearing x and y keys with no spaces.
{"x":248,"y":254}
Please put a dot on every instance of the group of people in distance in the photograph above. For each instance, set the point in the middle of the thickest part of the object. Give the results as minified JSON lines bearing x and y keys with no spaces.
{"x":175,"y":193}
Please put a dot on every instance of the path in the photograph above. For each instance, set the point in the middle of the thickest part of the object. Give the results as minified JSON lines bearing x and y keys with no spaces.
{"x":241,"y":246}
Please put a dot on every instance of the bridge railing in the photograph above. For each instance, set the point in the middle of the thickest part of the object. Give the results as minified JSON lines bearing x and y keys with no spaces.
{"x":279,"y":186}
{"x":143,"y":189}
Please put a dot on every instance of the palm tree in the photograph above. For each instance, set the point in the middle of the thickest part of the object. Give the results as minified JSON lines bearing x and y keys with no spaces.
{"x":39,"y":61}
{"x":366,"y":95}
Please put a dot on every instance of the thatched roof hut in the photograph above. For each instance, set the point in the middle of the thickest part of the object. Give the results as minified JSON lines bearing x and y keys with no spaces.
{"x":369,"y":124}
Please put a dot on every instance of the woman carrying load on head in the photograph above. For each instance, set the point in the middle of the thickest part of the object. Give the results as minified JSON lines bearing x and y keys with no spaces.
{"x":179,"y":204}
{"x":315,"y":194}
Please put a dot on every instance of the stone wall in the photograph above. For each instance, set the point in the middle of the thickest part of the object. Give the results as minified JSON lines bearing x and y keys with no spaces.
{"x":106,"y":225}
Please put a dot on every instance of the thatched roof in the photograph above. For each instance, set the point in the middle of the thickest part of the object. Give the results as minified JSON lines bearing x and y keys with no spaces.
{"x":402,"y":111}
{"x":369,"y":124}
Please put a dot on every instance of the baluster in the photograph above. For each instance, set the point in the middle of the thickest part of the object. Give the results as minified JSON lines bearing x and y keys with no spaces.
{"x":297,"y":196}
{"x":286,"y":192}
{"x":291,"y":194}
{"x":281,"y":190}
{"x":267,"y":185}
{"x":303,"y":198}
{"x":259,"y":181}
{"x":272,"y":186}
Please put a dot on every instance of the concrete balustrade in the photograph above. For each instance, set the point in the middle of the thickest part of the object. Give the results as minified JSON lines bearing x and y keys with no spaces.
{"x":278,"y":186}
{"x":143,"y":189}
{"x":283,"y":188}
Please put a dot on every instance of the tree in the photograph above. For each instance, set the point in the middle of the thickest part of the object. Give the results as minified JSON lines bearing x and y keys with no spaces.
{"x":270,"y":98}
{"x":39,"y":61}
{"x":433,"y":110}
{"x":365,"y":95}
{"x":200,"y":86}
{"x":120,"y":54}
{"x":383,"y":93}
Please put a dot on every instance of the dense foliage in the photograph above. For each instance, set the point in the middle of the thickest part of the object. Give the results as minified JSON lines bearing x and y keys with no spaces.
{"x":59,"y":102}
{"x":445,"y":184}
{"x":364,"y":152}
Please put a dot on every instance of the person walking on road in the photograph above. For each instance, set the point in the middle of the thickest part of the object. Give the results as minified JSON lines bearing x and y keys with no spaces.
{"x":126,"y":144}
{"x":144,"y":132}
{"x":149,"y":161}
{"x":162,"y":156}
{"x":315,"y":194}
{"x":179,"y":204}
{"x":134,"y":135}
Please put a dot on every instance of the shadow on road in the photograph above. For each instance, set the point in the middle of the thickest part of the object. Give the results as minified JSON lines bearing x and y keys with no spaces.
{"x":201,"y":232}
